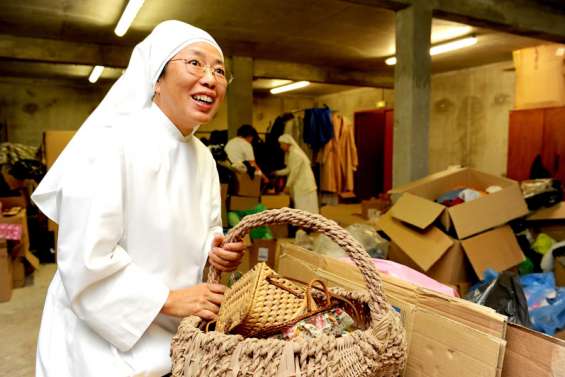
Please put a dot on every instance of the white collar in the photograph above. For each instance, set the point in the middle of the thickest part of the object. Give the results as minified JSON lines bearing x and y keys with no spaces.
{"x":172,"y":130}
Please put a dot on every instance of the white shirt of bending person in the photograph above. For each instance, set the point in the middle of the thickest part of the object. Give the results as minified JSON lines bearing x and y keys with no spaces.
{"x":301,"y":182}
{"x":238,"y":150}
{"x":137,"y":202}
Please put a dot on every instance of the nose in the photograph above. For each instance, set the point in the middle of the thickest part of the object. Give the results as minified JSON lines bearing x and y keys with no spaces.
{"x":208,"y":78}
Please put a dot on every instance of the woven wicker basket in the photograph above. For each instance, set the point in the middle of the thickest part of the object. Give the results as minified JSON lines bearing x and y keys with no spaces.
{"x":379,"y":350}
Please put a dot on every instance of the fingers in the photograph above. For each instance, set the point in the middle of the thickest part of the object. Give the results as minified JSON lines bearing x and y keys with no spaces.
{"x":227,"y":255}
{"x":217,"y":241}
{"x":234,"y":246}
{"x":207,"y":315}
{"x":224,"y":268}
{"x":217,"y":288}
{"x":215,"y":298}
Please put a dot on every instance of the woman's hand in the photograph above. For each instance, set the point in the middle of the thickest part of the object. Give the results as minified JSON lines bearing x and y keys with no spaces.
{"x":202,"y":300}
{"x":226,"y":258}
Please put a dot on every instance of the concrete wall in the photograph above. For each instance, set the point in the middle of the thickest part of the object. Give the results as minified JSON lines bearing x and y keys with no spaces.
{"x":30,"y":106}
{"x":359,"y":99}
{"x":469,"y":118}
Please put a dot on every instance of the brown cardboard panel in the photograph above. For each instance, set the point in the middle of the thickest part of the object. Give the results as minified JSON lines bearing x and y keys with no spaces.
{"x":5,"y":274}
{"x":497,"y":249}
{"x":242,"y":203}
{"x":13,"y":201}
{"x":247,"y":186}
{"x":344,"y":214}
{"x":416,"y":211}
{"x":373,"y":204}
{"x":18,"y":273}
{"x":530,"y":353}
{"x":279,"y":231}
{"x":275,"y":201}
{"x":424,"y":247}
{"x":54,"y":142}
{"x":263,"y":251}
{"x":452,"y":348}
{"x":488,"y":212}
{"x":557,"y":212}
{"x":444,"y":334}
{"x":396,"y":192}
{"x":295,"y":261}
{"x":223,"y":198}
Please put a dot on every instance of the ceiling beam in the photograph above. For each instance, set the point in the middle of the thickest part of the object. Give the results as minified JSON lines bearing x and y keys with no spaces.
{"x":524,"y":17}
{"x":62,"y":52}
{"x":298,"y":72}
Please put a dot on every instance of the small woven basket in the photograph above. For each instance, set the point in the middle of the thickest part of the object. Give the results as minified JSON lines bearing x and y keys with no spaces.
{"x":378,"y":350}
{"x":259,"y":301}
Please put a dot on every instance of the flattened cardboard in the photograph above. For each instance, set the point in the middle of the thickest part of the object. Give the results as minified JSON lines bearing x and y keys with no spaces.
{"x":557,"y":212}
{"x":559,"y":271}
{"x":530,"y":353}
{"x":446,"y":336}
{"x":275,"y":201}
{"x":497,"y":249}
{"x":424,"y":247}
{"x":416,"y":211}
{"x":242,"y":203}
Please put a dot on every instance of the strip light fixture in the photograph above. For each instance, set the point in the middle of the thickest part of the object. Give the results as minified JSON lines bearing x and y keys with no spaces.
{"x":128,"y":16}
{"x":95,"y":74}
{"x":289,"y":87}
{"x":443,"y":48}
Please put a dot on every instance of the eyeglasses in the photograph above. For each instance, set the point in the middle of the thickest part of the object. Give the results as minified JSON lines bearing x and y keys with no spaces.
{"x":197,"y":68}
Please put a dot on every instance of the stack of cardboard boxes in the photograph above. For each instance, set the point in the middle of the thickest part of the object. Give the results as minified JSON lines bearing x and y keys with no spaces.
{"x":454,"y":244}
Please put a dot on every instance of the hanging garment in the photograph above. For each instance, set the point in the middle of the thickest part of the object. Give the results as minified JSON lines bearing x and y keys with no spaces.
{"x":338,"y":158}
{"x":300,"y":182}
{"x":138,"y":205}
{"x":318,"y":129}
{"x":273,"y":158}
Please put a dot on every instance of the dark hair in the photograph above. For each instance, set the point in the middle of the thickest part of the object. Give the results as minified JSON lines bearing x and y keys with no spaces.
{"x":247,"y":130}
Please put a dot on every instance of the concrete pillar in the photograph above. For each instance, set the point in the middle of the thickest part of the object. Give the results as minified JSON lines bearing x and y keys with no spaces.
{"x":240,"y":94}
{"x":412,"y":93}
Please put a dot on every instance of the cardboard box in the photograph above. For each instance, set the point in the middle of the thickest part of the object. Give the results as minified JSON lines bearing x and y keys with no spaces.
{"x":279,"y":231}
{"x":446,"y":336}
{"x":6,"y":281}
{"x":242,"y":203}
{"x":344,"y":214}
{"x":53,"y":144}
{"x":539,"y":77}
{"x":417,"y":204}
{"x":445,"y":259}
{"x":530,"y":353}
{"x":263,"y":251}
{"x":374,"y":204}
{"x":245,"y":186}
{"x":275,"y":201}
{"x":223,"y":199}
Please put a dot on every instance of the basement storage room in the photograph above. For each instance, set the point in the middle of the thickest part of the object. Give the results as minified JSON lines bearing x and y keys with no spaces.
{"x":332,"y":188}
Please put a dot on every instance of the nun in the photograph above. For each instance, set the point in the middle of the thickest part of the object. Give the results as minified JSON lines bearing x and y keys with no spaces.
{"x":300,"y":182}
{"x":137,"y":199}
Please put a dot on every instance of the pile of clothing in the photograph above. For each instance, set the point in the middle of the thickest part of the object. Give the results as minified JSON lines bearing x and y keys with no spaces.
{"x":464,"y":194}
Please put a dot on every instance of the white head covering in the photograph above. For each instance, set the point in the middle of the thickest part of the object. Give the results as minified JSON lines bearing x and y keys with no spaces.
{"x":131,"y":93}
{"x":295,"y":148}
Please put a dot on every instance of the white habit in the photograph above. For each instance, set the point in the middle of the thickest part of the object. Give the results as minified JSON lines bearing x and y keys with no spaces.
{"x":137,"y":206}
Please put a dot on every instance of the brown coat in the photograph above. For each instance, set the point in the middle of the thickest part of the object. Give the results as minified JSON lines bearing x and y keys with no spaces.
{"x":338,"y":158}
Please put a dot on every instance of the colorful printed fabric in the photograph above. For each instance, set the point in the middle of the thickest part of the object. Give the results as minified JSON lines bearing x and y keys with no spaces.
{"x":11,"y":231}
{"x":335,"y":322}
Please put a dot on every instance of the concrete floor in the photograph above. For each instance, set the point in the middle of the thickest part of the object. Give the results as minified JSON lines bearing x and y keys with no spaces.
{"x":19,"y":325}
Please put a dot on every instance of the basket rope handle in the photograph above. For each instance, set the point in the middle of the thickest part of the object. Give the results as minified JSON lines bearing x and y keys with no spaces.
{"x":316,"y":223}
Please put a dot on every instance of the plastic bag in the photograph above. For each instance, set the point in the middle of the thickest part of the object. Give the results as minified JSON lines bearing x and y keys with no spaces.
{"x":504,"y":294}
{"x":375,"y":245}
{"x":546,"y":303}
{"x":258,"y":233}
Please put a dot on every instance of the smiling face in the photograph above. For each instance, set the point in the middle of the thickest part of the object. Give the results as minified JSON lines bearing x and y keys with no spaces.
{"x":189,"y":99}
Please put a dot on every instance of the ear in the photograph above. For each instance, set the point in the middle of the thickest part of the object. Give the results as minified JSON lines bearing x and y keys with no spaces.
{"x":158,"y":87}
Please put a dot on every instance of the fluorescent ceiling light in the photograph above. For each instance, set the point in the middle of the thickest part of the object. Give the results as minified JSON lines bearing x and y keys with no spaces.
{"x":95,"y":74}
{"x":293,"y":86}
{"x":127,"y":17}
{"x":443,"y":48}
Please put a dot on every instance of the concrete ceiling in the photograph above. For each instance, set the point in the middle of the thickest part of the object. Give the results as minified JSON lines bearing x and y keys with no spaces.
{"x":328,"y":33}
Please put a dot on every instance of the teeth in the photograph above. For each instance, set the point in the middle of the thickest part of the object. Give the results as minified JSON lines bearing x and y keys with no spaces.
{"x":203,"y":98}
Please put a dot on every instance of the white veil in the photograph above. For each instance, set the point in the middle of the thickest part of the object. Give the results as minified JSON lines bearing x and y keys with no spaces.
{"x":132,"y":92}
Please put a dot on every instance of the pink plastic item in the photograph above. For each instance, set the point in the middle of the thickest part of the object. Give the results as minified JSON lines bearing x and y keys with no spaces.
{"x":410,"y":275}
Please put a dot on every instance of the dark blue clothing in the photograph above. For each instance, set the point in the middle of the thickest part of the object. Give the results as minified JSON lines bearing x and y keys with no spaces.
{"x":318,"y":127}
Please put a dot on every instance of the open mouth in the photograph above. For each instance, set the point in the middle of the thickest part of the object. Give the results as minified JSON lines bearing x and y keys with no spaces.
{"x":206,"y":100}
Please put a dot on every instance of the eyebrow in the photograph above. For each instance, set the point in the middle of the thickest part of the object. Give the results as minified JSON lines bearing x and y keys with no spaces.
{"x":202,"y":55}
